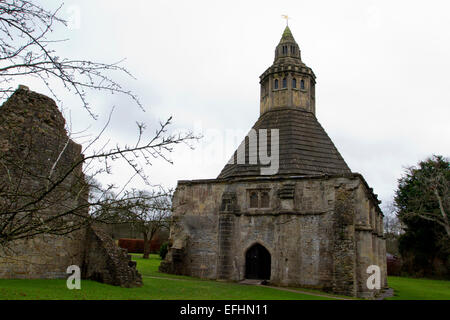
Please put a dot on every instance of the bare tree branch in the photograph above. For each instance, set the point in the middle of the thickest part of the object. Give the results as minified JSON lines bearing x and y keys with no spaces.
{"x":25,"y":51}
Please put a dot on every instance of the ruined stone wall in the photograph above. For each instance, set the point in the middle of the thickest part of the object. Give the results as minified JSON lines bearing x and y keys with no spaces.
{"x":107,"y":263}
{"x":34,"y":150}
{"x":309,"y":228}
{"x":42,"y":257}
{"x":32,"y":139}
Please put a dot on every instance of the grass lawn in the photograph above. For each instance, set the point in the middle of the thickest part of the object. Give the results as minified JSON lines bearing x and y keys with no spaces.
{"x":161,"y":286}
{"x":171,"y":287}
{"x":419,"y":289}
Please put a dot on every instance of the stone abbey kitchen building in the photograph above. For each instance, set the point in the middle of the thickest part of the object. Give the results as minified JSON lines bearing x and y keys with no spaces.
{"x":313,"y":223}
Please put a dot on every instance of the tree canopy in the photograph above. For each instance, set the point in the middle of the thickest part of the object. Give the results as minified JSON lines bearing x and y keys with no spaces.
{"x":422,"y":202}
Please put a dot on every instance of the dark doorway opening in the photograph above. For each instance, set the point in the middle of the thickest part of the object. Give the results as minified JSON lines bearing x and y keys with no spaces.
{"x":257,"y":263}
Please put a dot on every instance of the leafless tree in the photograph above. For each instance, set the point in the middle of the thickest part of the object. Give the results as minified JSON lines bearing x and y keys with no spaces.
{"x":56,"y":200}
{"x":59,"y":195}
{"x":392,"y":228}
{"x":392,"y":225}
{"x":147,"y":212}
{"x":26,"y":51}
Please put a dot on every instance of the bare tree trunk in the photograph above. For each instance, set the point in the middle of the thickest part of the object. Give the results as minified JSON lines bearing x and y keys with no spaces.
{"x":146,"y":245}
{"x":444,"y":214}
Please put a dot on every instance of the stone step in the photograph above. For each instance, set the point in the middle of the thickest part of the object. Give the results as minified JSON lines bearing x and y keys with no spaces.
{"x":254,"y":282}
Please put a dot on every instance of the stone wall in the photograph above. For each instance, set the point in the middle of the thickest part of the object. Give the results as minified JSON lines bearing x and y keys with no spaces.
{"x":107,"y":263}
{"x":34,"y":150}
{"x":33,"y":139}
{"x":42,"y":257}
{"x":309,"y":227}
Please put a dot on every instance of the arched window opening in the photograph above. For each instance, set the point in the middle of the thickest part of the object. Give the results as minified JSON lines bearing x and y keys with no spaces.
{"x":284,"y":83}
{"x":302,"y":84}
{"x":254,"y":199}
{"x":294,"y":83}
{"x":276,"y":84}
{"x":265,"y":200}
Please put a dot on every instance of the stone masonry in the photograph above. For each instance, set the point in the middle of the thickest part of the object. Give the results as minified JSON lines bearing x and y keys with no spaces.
{"x":105,"y":262}
{"x":32,"y":136}
{"x":319,"y":223}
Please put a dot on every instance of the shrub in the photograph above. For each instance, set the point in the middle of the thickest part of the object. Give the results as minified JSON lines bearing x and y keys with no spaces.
{"x":163,"y":250}
{"x":137,"y":245}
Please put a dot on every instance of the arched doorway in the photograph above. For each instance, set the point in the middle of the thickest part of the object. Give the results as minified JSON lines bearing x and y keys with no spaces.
{"x":257,"y":263}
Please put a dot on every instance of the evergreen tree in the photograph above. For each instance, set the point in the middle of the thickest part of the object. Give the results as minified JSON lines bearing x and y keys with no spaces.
{"x":422,"y":202}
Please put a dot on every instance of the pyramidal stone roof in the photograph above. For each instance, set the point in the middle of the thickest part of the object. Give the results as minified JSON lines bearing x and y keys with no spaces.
{"x":287,"y":35}
{"x":305,"y":149}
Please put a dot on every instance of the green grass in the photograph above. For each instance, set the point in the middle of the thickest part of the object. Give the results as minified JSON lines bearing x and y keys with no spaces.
{"x":149,"y":267}
{"x":153,"y":289}
{"x":173,"y":287}
{"x":419,"y":289}
{"x":316,"y":291}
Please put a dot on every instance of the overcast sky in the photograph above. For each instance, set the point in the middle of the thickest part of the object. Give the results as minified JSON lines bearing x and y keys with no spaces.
{"x":382,"y":67}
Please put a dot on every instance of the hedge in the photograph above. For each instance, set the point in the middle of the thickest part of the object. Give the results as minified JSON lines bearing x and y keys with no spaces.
{"x":132,"y":245}
{"x":137,"y":245}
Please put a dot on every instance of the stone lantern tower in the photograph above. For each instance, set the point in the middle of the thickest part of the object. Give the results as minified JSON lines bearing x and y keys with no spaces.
{"x":288,"y":82}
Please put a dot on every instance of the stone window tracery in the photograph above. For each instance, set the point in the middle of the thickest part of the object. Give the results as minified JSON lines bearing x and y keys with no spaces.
{"x":259,"y":199}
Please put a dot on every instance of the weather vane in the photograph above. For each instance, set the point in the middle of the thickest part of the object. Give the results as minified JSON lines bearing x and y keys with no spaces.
{"x":285,"y":16}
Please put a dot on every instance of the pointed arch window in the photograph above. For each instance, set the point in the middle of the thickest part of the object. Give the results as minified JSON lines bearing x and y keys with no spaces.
{"x":254,"y":199}
{"x":265,"y":200}
{"x":276,"y":84}
{"x":284,"y":83}
{"x":302,"y":85}
{"x":294,"y":83}
{"x":259,"y":198}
